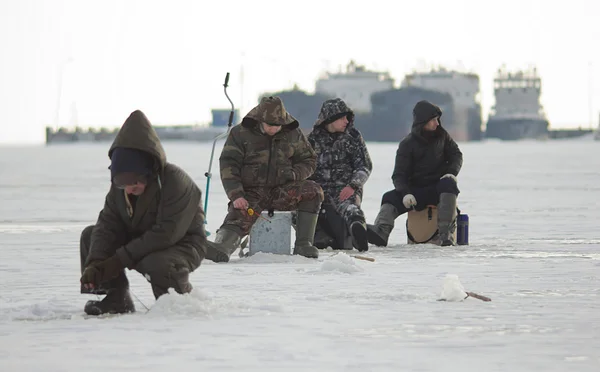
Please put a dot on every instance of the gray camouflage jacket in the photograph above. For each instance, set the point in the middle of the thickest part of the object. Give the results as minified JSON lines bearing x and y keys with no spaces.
{"x":342,"y":158}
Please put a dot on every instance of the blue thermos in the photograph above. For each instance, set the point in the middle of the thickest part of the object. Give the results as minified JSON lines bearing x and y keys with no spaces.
{"x":462,"y":226}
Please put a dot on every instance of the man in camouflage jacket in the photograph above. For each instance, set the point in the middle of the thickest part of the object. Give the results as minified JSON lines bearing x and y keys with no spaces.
{"x":265,"y":163}
{"x":343,"y":167}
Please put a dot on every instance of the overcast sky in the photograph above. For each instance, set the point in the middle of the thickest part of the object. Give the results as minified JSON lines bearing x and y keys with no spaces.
{"x":169,"y":58}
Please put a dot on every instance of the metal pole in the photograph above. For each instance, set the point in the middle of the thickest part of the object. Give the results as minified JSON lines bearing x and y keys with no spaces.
{"x":212,"y":153}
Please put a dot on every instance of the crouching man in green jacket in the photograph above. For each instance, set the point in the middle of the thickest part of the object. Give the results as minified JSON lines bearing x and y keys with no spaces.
{"x":152,"y":221}
{"x":264,"y":165}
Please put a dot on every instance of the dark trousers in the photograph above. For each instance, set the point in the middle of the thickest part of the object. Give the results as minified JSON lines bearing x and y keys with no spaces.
{"x":169,"y":268}
{"x":427,"y":195}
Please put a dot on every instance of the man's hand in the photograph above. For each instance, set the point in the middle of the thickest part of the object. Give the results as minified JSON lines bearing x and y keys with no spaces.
{"x":409,"y":201}
{"x":346,"y":193}
{"x":240,"y":203}
{"x":91,"y":277}
{"x":110,"y":268}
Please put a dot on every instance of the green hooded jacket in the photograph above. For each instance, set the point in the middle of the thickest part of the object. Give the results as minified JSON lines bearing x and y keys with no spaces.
{"x":168,"y":213}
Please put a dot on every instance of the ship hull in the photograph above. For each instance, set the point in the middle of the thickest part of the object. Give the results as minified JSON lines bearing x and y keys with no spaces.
{"x":516,"y":129}
{"x":181,"y":133}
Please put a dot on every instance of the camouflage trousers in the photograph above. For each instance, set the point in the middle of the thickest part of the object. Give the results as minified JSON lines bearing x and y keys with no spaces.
{"x":348,"y":209}
{"x":333,"y":228}
{"x":305,"y":196}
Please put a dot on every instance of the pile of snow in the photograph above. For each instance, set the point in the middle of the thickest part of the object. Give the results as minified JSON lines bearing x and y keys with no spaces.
{"x":341,"y":262}
{"x":452,"y":289}
{"x":198,"y":304}
{"x":195,"y":303}
{"x":268,"y":258}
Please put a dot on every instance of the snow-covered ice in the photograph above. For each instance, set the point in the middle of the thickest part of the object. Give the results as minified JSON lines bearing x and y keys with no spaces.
{"x":534,"y":250}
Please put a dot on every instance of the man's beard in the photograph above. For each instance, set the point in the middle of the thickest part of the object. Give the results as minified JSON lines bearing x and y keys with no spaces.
{"x":431,"y":134}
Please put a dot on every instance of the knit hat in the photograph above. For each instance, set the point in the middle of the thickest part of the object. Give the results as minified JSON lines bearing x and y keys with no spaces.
{"x":131,"y":161}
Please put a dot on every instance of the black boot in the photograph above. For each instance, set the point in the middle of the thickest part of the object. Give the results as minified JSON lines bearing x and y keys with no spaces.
{"x":177,"y":279}
{"x":117,"y":301}
{"x":358,"y":229}
{"x":379,"y":233}
{"x":322,"y":240}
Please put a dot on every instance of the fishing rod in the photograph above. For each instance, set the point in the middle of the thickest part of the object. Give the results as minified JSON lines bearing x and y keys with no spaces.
{"x":212,"y":153}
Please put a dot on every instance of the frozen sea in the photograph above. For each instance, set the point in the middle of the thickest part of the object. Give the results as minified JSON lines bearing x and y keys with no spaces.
{"x":534,"y":250}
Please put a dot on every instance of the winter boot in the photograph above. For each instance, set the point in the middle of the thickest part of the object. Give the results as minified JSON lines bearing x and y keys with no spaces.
{"x":447,"y":219}
{"x":322,"y":240}
{"x":177,"y":279}
{"x":358,"y":229}
{"x":305,"y":233}
{"x":117,"y":301}
{"x":379,"y":233}
{"x":226,"y":242}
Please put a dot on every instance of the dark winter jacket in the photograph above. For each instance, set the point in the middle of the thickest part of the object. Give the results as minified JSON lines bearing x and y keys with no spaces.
{"x":420,"y":159}
{"x":168,"y":213}
{"x":342,"y":158}
{"x":253,"y":159}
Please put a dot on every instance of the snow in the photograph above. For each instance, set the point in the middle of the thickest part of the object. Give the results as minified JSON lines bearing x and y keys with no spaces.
{"x":452,"y":289}
{"x":534,"y":250}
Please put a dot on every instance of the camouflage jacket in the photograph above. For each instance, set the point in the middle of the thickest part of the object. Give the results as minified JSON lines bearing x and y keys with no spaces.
{"x":342,"y":158}
{"x":253,"y":159}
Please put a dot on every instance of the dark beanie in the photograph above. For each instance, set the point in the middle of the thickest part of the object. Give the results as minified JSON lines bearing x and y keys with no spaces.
{"x":425,"y":111}
{"x":124,"y":159}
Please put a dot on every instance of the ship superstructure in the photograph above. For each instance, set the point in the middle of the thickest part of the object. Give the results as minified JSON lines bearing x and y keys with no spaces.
{"x":355,"y":86}
{"x":465,"y":124}
{"x":517,"y":113}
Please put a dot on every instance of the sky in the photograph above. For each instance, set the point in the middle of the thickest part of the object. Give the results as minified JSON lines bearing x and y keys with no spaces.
{"x":169,"y":58}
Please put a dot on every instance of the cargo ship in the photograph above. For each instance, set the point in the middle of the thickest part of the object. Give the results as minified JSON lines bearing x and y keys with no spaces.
{"x":198,"y":133}
{"x":517,"y":113}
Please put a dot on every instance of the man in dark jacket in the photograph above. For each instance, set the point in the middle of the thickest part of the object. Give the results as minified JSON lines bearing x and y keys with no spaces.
{"x":343,"y":167}
{"x":427,"y":164}
{"x":264,"y":165}
{"x":152,"y":221}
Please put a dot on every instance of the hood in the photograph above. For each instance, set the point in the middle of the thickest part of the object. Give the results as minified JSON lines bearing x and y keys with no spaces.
{"x":333,"y":109}
{"x":422,"y":113}
{"x":137,"y":133}
{"x":270,"y":110}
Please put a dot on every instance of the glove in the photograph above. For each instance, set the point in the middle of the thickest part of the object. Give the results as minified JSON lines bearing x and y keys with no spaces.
{"x":91,"y":276}
{"x":449,"y":175}
{"x":110,"y":268}
{"x":409,"y":201}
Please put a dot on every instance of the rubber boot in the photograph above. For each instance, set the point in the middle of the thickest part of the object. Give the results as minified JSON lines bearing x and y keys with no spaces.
{"x":305,"y":234}
{"x":358,"y":229}
{"x":447,"y":219}
{"x":226,"y":242}
{"x":117,"y":301}
{"x":379,"y":233}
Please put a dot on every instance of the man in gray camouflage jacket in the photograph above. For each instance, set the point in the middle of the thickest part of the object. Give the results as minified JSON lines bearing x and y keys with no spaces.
{"x":343,"y":167}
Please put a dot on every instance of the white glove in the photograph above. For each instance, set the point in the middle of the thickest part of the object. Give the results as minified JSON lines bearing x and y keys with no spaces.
{"x":449,"y":175}
{"x":409,"y":201}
